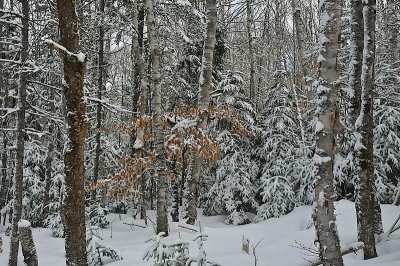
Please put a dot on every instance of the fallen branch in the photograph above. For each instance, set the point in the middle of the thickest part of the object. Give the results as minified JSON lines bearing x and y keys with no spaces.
{"x":351,"y":248}
{"x":138,"y":225}
{"x":194,"y":229}
{"x":393,"y":227}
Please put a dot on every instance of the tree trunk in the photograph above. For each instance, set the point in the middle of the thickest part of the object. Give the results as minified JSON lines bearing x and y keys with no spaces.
{"x":162,"y":218}
{"x":46,"y":197}
{"x":141,"y":85}
{"x":368,"y":210}
{"x":175,"y":193}
{"x":77,"y":128}
{"x":204,"y":101}
{"x":49,"y":160}
{"x":327,"y":92}
{"x":301,"y":38}
{"x":393,"y":9}
{"x":3,"y":171}
{"x":96,"y":166}
{"x":356,"y":52}
{"x":19,"y":171}
{"x":249,"y":21}
{"x":28,"y":246}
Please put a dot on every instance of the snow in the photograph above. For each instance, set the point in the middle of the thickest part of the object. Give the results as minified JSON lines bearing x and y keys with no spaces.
{"x":138,"y":144}
{"x":80,"y":56}
{"x":224,"y":242}
{"x":320,"y":160}
{"x":24,"y":223}
{"x":319,"y":126}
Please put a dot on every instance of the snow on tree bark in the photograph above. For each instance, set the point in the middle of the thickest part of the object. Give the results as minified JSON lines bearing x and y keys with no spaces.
{"x":100,"y":85}
{"x":249,"y":21}
{"x":205,"y":81}
{"x":162,"y":215}
{"x":77,"y":128}
{"x":28,"y":246}
{"x":327,"y":94}
{"x":300,"y":37}
{"x":368,"y":209}
{"x":141,"y":85}
{"x":393,"y":7}
{"x":19,"y":170}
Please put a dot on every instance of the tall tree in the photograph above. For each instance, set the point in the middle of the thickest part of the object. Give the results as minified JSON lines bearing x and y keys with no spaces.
{"x":393,"y":9}
{"x":162,"y":215}
{"x":19,"y":171}
{"x":301,"y":37}
{"x":100,"y":85}
{"x":77,"y":128}
{"x":368,"y":209}
{"x":327,"y":94}
{"x":249,"y":22}
{"x":141,"y":85}
{"x":204,"y":101}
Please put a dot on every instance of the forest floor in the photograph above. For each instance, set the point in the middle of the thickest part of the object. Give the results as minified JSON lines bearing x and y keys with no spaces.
{"x":279,"y":237}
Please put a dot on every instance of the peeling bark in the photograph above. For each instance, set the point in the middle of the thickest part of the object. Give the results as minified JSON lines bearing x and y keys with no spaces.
{"x":327,"y":92}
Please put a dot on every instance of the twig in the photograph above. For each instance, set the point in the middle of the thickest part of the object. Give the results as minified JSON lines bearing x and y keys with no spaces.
{"x":345,"y":250}
{"x":393,"y":227}
{"x":188,"y":228}
{"x":138,"y":225}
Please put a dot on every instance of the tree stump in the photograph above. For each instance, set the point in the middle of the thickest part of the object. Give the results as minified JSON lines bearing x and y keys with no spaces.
{"x":28,"y":246}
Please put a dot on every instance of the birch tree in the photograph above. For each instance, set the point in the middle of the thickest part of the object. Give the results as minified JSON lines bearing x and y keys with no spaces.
{"x":162,"y":218}
{"x":300,"y":36}
{"x":327,"y":93}
{"x":204,"y":101}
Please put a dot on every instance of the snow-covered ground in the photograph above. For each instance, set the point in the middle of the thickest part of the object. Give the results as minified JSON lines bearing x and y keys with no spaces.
{"x":277,"y":248}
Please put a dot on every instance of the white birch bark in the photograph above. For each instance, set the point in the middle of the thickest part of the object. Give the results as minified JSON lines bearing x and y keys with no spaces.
{"x":204,"y":101}
{"x":327,"y":94}
{"x":162,"y":218}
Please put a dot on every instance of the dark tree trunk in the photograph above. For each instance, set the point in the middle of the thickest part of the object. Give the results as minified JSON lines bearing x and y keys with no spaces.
{"x":141,"y":86}
{"x":96,"y":166}
{"x":368,"y":209}
{"x":19,"y":171}
{"x":175,"y":193}
{"x":46,"y":197}
{"x":74,"y":75}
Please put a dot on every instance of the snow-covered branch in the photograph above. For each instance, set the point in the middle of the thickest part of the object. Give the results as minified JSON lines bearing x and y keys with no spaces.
{"x":81,"y":57}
